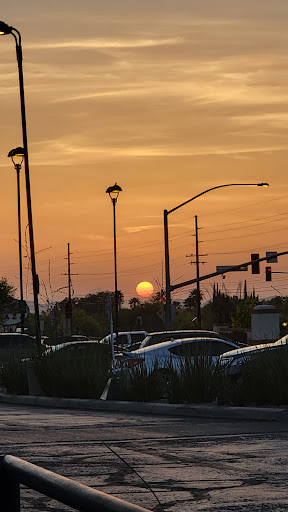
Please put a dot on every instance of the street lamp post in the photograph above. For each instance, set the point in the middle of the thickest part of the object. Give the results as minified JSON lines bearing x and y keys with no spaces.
{"x":5,"y":30}
{"x":114,"y":193}
{"x":17,"y":156}
{"x":168,"y":312}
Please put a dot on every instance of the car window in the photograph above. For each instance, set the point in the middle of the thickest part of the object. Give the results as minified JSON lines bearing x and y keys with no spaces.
{"x":17,"y":342}
{"x":122,"y":339}
{"x":5,"y":341}
{"x":200,"y":348}
{"x":135,"y":337}
{"x":158,"y":338}
{"x":77,"y":349}
{"x":220,"y":347}
{"x":21,"y":342}
{"x":195,"y":348}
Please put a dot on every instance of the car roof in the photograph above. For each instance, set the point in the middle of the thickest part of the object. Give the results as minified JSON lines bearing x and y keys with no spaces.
{"x":15,"y":334}
{"x":181,"y":341}
{"x":179,"y":331}
{"x":247,"y":350}
{"x":282,"y":341}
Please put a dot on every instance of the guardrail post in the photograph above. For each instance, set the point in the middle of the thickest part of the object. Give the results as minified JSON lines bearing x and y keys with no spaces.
{"x":9,"y":491}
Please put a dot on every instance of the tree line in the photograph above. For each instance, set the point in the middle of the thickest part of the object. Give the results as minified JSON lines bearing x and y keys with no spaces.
{"x":90,"y":318}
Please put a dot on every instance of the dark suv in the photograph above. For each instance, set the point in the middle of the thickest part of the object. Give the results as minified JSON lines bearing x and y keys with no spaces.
{"x":14,"y":344}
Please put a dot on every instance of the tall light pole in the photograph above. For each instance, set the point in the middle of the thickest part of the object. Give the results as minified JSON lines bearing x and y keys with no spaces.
{"x":5,"y":30}
{"x":17,"y":157}
{"x":114,"y":193}
{"x":168,"y":312}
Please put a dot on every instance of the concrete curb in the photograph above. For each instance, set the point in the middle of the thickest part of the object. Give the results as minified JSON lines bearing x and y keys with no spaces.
{"x":207,"y":411}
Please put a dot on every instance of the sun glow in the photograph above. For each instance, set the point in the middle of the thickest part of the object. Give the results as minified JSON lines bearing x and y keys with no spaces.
{"x":145,"y":289}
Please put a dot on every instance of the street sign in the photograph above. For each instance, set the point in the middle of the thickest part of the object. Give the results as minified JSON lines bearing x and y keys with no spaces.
{"x":231,"y":268}
{"x":271,"y":257}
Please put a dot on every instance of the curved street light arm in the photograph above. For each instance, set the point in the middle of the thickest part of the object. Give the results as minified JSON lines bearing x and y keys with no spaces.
{"x":166,"y":243}
{"x":214,"y":188}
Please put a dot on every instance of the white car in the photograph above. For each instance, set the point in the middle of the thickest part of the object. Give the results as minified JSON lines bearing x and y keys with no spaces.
{"x":236,"y":359}
{"x":172,"y":353}
{"x":126,"y":339}
{"x":158,"y":337}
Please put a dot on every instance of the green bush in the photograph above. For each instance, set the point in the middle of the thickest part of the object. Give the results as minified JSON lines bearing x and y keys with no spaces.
{"x":141,"y":385}
{"x":13,"y":376}
{"x":197,"y":381}
{"x":61,"y":374}
{"x":263,"y":381}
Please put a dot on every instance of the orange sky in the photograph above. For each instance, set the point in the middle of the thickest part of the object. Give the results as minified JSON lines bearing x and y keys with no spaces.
{"x":168,"y":98}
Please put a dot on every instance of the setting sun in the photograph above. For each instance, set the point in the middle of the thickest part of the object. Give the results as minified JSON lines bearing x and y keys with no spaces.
{"x":145,"y":289}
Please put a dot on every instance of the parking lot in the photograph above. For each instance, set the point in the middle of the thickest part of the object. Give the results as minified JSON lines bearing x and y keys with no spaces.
{"x":188,"y":463}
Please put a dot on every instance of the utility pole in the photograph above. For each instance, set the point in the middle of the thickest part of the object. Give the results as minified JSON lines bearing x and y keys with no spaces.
{"x":69,"y":275}
{"x":198,"y":293}
{"x":198,"y":297}
{"x":68,"y":307}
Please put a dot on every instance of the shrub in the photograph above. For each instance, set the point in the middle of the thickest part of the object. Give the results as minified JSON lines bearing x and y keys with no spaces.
{"x":263,"y":381}
{"x":142,"y":385}
{"x":13,"y":376}
{"x":196,"y":382}
{"x":61,"y":374}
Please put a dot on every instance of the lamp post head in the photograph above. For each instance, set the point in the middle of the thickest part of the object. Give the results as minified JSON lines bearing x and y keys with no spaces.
{"x":114,"y":192}
{"x":262,"y":184}
{"x":5,"y":29}
{"x":17,"y":156}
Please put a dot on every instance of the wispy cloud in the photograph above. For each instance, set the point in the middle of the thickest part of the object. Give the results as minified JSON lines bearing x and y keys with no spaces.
{"x":92,"y":44}
{"x":276,"y":119}
{"x":61,"y":152}
{"x":138,"y":229}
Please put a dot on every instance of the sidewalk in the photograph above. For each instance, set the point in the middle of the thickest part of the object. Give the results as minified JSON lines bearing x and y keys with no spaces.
{"x":207,"y":411}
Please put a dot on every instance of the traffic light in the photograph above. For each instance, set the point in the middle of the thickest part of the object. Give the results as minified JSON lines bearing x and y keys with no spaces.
{"x":268,"y":273}
{"x":255,"y":265}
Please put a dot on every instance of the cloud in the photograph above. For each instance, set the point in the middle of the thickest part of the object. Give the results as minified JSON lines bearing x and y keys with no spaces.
{"x":73,"y":152}
{"x":92,"y":44}
{"x":276,"y":119}
{"x":92,"y":237}
{"x":138,"y":229}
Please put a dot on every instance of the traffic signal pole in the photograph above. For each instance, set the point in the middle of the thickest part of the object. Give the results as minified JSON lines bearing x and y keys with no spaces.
{"x":231,"y":269}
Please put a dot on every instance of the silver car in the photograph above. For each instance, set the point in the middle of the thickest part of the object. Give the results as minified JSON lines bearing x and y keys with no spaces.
{"x":235,"y":360}
{"x":171,"y":353}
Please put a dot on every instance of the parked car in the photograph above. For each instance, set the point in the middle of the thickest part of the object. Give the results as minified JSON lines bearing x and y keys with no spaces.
{"x":73,"y":349}
{"x":17,"y":345}
{"x":76,"y":337}
{"x":159,"y":337}
{"x":171,"y":353}
{"x":126,"y":339}
{"x":236,"y":360}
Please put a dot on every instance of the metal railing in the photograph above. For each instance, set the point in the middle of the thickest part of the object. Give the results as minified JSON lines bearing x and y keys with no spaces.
{"x":15,"y":471}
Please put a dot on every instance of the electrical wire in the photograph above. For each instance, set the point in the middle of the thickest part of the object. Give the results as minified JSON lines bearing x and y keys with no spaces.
{"x":134,"y":471}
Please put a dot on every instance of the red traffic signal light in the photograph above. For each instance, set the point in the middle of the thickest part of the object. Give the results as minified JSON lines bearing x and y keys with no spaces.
{"x":268,"y":273}
{"x":255,"y":267}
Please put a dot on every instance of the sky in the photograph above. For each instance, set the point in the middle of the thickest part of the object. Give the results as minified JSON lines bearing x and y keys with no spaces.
{"x":168,"y":99}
